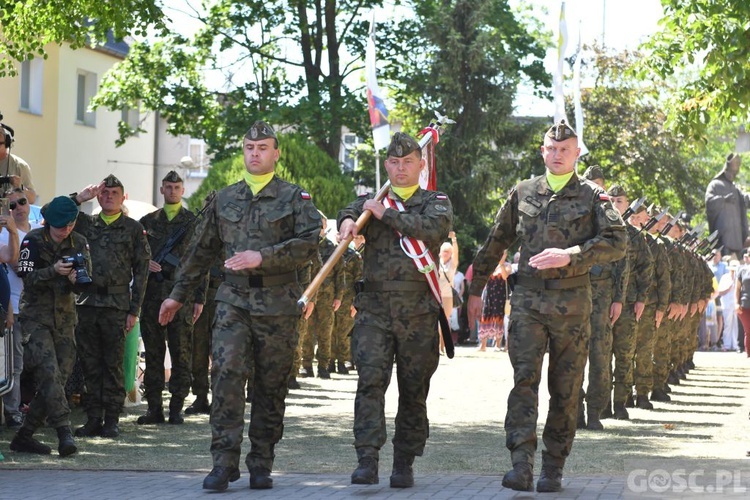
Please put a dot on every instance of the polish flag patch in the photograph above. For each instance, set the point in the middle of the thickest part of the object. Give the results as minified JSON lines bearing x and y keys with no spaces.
{"x":441,"y":197}
{"x":603,"y":197}
{"x":305,"y":195}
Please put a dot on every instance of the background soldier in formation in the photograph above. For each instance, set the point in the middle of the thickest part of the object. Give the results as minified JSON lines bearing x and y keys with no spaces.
{"x":161,"y":226}
{"x":397,"y":315}
{"x":344,"y":318}
{"x":268,"y":230}
{"x":564,"y":226}
{"x":48,"y":319}
{"x":109,"y":308}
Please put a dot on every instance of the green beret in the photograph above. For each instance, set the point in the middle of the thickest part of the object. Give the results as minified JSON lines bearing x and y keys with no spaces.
{"x":111,"y":181}
{"x":402,"y":145}
{"x":60,"y":212}
{"x":561,"y":131}
{"x":261,"y":130}
{"x":594,"y":172}
{"x":172,"y":176}
{"x":616,"y":190}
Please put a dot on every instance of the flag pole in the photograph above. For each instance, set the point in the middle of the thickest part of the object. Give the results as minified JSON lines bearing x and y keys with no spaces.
{"x":377,"y":170}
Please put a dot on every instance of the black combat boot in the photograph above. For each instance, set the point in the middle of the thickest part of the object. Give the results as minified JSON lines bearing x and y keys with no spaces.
{"x":594,"y":424}
{"x":342,"y":369}
{"x":200,"y":406}
{"x":581,"y":420}
{"x":620,"y":412}
{"x":629,"y":403}
{"x":643,"y":403}
{"x":331,"y":366}
{"x":667,"y":389}
{"x":154,"y":415}
{"x":660,"y":395}
{"x":607,"y":412}
{"x":110,"y":429}
{"x":681,"y":373}
{"x":550,"y":479}
{"x":92,"y":428}
{"x":220,"y":477}
{"x":306,"y":372}
{"x":260,"y":479}
{"x":323,"y":373}
{"x":690,"y":364}
{"x":520,"y":477}
{"x":292,"y":383}
{"x":673,"y":378}
{"x":175,"y":411}
{"x":24,"y":442}
{"x":67,"y":446}
{"x":366,"y":472}
{"x":403,"y":473}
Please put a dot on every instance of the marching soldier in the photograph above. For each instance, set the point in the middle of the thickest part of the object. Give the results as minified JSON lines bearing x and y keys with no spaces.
{"x":344,"y":319}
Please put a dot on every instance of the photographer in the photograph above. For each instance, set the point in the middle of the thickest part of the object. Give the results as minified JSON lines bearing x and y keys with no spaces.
{"x":15,"y":173}
{"x":48,"y":319}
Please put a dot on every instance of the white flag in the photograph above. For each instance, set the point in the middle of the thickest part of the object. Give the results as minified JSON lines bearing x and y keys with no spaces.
{"x":577,"y":96}
{"x":557,"y":90}
{"x":381,"y":128}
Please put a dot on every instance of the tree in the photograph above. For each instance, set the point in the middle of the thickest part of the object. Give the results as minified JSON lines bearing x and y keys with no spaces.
{"x":706,"y":45}
{"x":301,"y":162}
{"x":28,"y":26}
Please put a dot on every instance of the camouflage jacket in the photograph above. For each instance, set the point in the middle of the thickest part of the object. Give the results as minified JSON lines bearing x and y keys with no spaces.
{"x":280,"y":222}
{"x":677,"y":266}
{"x":119,"y":256}
{"x":159,"y":229}
{"x":661,"y":289}
{"x":333,"y":285}
{"x":428,"y":217}
{"x":48,"y":298}
{"x":641,"y":262}
{"x":352,"y":262}
{"x":579,"y":217}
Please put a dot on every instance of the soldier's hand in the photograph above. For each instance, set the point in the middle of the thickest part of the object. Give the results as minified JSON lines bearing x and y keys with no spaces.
{"x":474,"y":309}
{"x":376,"y":207}
{"x":673,"y":311}
{"x":336,"y":304}
{"x":693,"y":309}
{"x":638,"y":309}
{"x":154,"y":267}
{"x":62,"y":268}
{"x":308,"y":310}
{"x":89,"y":192}
{"x":614,"y":312}
{"x":352,"y":311}
{"x":701,"y":305}
{"x":348,"y":228}
{"x":249,"y":259}
{"x":130,"y":322}
{"x":167,"y":311}
{"x":550,"y":258}
{"x":659,"y":318}
{"x":197,"y":310}
{"x":684,"y":311}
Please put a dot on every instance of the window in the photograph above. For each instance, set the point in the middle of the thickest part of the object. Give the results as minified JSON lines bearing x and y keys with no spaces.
{"x":31,"y":86}
{"x":132,"y":118}
{"x":86,"y":90}
{"x":348,"y":155}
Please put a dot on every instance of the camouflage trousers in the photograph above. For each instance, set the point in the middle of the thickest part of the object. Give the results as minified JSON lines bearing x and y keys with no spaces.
{"x":624,"y":335}
{"x":302,"y":326}
{"x":100,"y":336}
{"x":529,"y":334}
{"x":177,"y":336}
{"x":49,"y":356}
{"x":340,"y":339}
{"x":662,"y":351}
{"x":378,"y":341}
{"x":243,"y":343}
{"x":643,"y":369}
{"x":319,"y":332}
{"x":200,"y":349}
{"x":600,"y":346}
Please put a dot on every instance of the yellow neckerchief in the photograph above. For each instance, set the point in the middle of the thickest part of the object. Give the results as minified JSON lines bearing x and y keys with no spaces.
{"x":109,"y":219}
{"x":405,"y":192}
{"x":257,"y":182}
{"x":171,"y":210}
{"x":557,"y":182}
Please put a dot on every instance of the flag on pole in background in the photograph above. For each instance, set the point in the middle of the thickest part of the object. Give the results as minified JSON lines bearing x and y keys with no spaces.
{"x":557,"y":81}
{"x":381,"y":128}
{"x":577,"y":96}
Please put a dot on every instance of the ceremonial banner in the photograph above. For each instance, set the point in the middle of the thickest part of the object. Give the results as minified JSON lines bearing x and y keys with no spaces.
{"x":557,"y":81}
{"x":577,"y":96}
{"x":381,"y":128}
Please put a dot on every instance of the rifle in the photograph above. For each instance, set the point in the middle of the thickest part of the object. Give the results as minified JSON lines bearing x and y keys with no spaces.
{"x":651,"y":223}
{"x":165,"y":252}
{"x":706,"y":242}
{"x":633,"y":208}
{"x":669,"y":225}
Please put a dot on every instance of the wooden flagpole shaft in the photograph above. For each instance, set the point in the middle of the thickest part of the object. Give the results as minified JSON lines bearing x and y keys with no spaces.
{"x":341,"y":248}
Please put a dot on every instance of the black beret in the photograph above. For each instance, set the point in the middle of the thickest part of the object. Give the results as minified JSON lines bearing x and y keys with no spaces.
{"x":594,"y":172}
{"x":60,"y":212}
{"x":261,"y":130}
{"x":402,"y":145}
{"x":561,"y":131}
{"x":172,"y":176}
{"x":616,"y":190}
{"x":111,"y":181}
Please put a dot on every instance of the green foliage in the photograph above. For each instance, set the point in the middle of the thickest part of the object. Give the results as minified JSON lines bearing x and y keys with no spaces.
{"x":301,"y":162}
{"x":706,"y":44}
{"x":30,"y":25}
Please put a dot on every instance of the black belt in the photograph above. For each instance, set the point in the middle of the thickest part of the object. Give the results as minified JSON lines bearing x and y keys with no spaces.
{"x":110,"y":290}
{"x":558,"y":284}
{"x":395,"y":286}
{"x":261,"y":281}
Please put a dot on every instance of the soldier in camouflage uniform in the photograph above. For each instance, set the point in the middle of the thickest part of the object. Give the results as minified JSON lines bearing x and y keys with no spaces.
{"x":625,"y":331}
{"x":564,"y":225}
{"x":110,"y":306}
{"x":327,"y":302}
{"x":268,"y":230}
{"x":48,"y":318}
{"x":344,"y":318}
{"x":608,"y":285}
{"x":160,"y":226}
{"x":397,"y":314}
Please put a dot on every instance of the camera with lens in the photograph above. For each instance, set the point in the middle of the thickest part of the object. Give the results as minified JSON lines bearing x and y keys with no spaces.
{"x":79,"y":266}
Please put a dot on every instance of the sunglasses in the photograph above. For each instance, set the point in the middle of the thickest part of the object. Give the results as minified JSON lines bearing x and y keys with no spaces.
{"x":20,"y":201}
